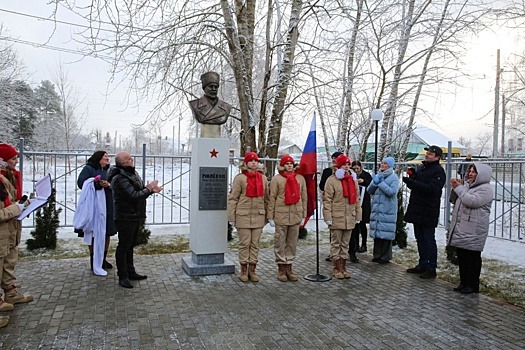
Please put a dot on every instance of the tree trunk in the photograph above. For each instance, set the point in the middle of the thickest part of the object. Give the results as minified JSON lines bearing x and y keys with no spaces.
{"x":285,"y":70}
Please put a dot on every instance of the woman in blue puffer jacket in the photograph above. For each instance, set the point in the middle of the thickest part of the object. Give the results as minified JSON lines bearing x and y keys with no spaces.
{"x":383,"y":218}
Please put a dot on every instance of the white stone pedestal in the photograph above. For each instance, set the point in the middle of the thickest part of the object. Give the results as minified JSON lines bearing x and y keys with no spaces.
{"x":208,"y":213}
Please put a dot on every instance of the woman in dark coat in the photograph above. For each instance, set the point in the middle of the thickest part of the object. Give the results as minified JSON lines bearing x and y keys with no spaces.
{"x":363,"y":179}
{"x":98,"y":164}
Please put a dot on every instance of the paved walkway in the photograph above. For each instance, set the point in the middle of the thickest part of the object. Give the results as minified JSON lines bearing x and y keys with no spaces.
{"x":380,"y":307}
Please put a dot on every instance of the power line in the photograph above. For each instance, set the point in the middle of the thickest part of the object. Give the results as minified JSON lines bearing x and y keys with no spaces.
{"x":54,"y":48}
{"x":54,"y":20}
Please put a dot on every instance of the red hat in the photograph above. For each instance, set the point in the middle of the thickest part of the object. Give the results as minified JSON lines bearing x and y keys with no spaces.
{"x":250,"y":156}
{"x":342,"y":160}
{"x":285,"y":159}
{"x":7,"y":151}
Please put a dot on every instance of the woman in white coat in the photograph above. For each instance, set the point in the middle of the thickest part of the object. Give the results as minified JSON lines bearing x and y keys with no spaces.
{"x":470,"y":223}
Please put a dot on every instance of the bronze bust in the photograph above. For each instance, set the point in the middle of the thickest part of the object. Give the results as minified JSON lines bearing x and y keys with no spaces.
{"x":209,"y":109}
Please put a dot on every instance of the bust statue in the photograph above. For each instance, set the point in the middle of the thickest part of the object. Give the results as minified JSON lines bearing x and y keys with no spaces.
{"x":209,"y":109}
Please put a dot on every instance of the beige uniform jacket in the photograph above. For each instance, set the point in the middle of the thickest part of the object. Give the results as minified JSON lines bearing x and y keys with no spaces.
{"x":15,"y":226}
{"x":247,"y":212}
{"x":281,"y":213}
{"x":6,"y":228}
{"x":336,"y":208}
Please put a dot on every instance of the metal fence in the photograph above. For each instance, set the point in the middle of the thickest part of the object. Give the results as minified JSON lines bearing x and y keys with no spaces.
{"x":172,"y":205}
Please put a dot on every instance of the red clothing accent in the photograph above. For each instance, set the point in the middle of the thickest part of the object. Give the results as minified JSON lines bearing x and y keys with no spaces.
{"x":15,"y":178}
{"x":292,"y":193}
{"x":349,"y":190}
{"x":254,"y":184}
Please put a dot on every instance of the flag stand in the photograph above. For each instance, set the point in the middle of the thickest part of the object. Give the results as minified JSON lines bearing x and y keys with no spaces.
{"x":317,"y":277}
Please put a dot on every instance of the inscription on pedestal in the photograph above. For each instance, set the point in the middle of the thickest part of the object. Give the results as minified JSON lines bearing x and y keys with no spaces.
{"x":213,"y":188}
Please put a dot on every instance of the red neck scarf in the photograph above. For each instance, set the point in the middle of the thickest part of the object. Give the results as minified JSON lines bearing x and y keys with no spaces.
{"x":349,"y":190}
{"x":15,"y":178}
{"x":254,"y":184}
{"x":291,"y":189}
{"x":7,"y":201}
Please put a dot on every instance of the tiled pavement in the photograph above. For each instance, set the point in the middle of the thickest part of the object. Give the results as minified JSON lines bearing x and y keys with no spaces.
{"x":380,"y":307}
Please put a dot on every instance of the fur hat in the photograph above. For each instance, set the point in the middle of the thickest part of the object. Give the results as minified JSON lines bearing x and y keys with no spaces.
{"x":210,"y":77}
{"x":342,"y":160}
{"x":285,"y":159}
{"x":7,"y":151}
{"x":390,"y":161}
{"x":250,"y":156}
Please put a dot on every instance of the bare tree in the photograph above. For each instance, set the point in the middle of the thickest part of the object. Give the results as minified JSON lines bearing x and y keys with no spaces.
{"x":72,"y":113}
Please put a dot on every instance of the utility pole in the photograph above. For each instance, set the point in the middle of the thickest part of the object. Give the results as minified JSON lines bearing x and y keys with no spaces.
{"x":496,"y":109}
{"x":503,"y":113}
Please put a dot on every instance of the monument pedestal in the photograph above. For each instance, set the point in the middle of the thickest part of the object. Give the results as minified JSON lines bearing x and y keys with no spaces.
{"x":208,"y":208}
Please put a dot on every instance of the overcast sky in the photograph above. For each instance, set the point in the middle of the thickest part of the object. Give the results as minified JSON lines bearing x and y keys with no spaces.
{"x":469,"y":113}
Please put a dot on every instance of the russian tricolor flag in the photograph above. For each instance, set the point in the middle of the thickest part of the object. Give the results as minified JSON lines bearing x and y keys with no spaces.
{"x":308,"y":168}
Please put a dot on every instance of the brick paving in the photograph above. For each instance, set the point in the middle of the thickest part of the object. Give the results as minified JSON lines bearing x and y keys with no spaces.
{"x":380,"y":307}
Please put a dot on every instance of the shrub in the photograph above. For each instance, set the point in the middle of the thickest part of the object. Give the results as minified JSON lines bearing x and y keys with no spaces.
{"x":46,"y":228}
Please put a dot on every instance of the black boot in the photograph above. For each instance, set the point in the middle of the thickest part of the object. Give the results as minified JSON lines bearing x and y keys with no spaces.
{"x":105,"y":264}
{"x":353,"y":257}
{"x":90,"y":257}
{"x":124,"y":282}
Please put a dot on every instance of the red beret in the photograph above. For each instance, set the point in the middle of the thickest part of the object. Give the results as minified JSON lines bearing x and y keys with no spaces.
{"x":250,"y":156}
{"x":342,"y":160}
{"x":7,"y":151}
{"x":285,"y":159}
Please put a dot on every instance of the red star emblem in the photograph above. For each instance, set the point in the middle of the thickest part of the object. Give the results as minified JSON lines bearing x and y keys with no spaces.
{"x":213,"y":153}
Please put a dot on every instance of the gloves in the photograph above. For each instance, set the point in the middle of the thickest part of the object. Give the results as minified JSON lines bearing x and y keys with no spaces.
{"x":301,"y":223}
{"x":21,"y":206}
{"x":377,"y":179}
{"x":339,"y":173}
{"x":272,"y":223}
{"x":232,"y":223}
{"x":411,"y":172}
{"x":328,"y":222}
{"x":407,"y":180}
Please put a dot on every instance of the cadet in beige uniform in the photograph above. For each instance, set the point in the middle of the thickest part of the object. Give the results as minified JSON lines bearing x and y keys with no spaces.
{"x":341,"y":211}
{"x":247,"y":213}
{"x":9,"y":156}
{"x":286,"y":211}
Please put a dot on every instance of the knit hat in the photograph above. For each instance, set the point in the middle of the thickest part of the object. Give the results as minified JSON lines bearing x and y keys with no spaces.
{"x":210,"y":77}
{"x":285,"y":159}
{"x":250,"y":156}
{"x":342,"y":160}
{"x":336,"y":154}
{"x":7,"y":151}
{"x":390,"y":161}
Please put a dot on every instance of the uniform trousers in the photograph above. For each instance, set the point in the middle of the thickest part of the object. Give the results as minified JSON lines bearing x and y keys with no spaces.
{"x":249,"y":244}
{"x":339,"y":244}
{"x":285,"y":243}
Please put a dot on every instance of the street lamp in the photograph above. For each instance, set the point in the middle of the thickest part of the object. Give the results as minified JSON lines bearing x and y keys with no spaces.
{"x":376,"y":115}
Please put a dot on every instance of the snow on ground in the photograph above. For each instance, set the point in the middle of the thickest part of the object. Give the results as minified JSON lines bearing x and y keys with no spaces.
{"x":510,"y":252}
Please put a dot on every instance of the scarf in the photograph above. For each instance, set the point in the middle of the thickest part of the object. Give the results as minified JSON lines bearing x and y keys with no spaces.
{"x":254,"y":184}
{"x":349,"y":190}
{"x":291,"y":189}
{"x":6,"y":200}
{"x":15,"y":178}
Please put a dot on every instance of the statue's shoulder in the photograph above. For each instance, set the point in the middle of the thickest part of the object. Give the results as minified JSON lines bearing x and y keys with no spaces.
{"x":223,"y":105}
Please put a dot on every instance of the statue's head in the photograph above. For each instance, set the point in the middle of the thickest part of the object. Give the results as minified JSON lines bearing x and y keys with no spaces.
{"x":210,"y":84}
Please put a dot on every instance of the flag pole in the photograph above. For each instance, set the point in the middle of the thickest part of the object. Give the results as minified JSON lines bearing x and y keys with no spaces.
{"x":317,"y":277}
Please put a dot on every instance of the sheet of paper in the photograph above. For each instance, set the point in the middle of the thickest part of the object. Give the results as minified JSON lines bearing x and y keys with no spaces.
{"x":43,"y":190}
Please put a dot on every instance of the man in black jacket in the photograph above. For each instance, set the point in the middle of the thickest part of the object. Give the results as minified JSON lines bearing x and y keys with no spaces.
{"x":426,"y":185}
{"x":129,"y":199}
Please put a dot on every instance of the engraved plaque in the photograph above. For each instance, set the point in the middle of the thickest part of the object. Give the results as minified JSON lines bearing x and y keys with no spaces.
{"x":213,"y":188}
